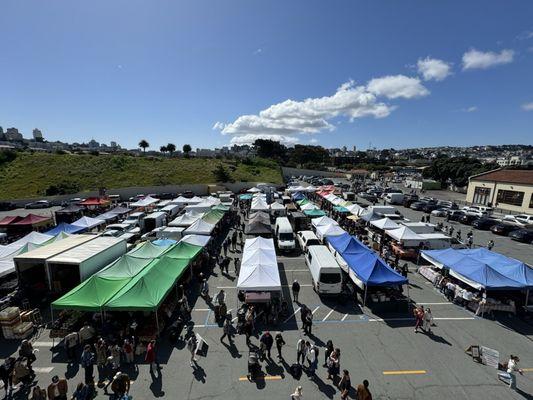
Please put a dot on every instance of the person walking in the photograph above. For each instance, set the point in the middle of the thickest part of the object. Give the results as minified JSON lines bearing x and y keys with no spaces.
{"x":6,"y":374}
{"x":308,"y":322}
{"x":227,"y":329}
{"x":312,"y":357}
{"x":428,"y":320}
{"x":266,"y":341}
{"x":101,"y":358}
{"x":419,"y":317}
{"x":58,"y":389}
{"x":237,"y":265}
{"x":240,"y":239}
{"x":87,"y":363}
{"x":490,"y":244}
{"x":191,"y":346}
{"x":71,"y":344}
{"x":279,"y":344}
{"x":362,"y":391}
{"x":151,"y":356}
{"x":225,"y":247}
{"x":512,"y":368}
{"x":204,"y":291}
{"x":127,"y":349}
{"x":234,"y":241}
{"x":300,"y":351}
{"x":327,"y":353}
{"x":333,"y":365}
{"x":345,"y":384}
{"x":297,"y":395}
{"x":295,"y":291}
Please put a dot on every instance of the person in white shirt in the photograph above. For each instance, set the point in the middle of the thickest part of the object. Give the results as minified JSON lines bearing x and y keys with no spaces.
{"x":428,"y":320}
{"x":512,"y":368}
{"x":297,"y":395}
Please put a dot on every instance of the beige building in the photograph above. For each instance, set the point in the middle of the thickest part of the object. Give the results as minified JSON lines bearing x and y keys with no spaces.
{"x":507,"y":189}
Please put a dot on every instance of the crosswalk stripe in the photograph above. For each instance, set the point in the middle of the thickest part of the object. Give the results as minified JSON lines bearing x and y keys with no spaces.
{"x":43,"y":370}
{"x":407,"y":372}
{"x":329,"y":313}
{"x":343,"y":318}
{"x":317,"y":307}
{"x":43,"y":344}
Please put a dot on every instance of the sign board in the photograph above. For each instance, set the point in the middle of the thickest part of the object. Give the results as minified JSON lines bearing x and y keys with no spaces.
{"x":490,"y":357}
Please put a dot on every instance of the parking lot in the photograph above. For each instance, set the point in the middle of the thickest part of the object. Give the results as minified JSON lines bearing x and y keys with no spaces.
{"x":382,"y":348}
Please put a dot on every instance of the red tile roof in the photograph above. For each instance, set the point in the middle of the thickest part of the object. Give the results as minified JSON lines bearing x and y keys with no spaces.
{"x":521,"y":176}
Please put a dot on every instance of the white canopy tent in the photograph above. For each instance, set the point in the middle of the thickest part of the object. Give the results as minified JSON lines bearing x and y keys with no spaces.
{"x":323,"y":221}
{"x":186,"y":219}
{"x":259,"y":268}
{"x":369,"y":216}
{"x":355,"y":209}
{"x":32,"y":237}
{"x":199,"y":227}
{"x":405,"y":236}
{"x":278,"y":209}
{"x":202,"y":207}
{"x":325,"y":231}
{"x":253,"y":190}
{"x":197,"y":240}
{"x":311,"y":189}
{"x":7,"y":253}
{"x":88,"y":222}
{"x":308,"y":206}
{"x":384,"y":224}
{"x":258,"y":204}
{"x":145,"y":202}
{"x":337,"y":201}
{"x":420,"y":227}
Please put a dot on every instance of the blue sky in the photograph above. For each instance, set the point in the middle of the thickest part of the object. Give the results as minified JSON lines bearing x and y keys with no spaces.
{"x":171,"y":71}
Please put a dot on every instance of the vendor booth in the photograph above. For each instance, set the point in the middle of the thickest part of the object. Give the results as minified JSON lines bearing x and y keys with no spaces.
{"x":199,"y":227}
{"x":88,"y":223}
{"x":186,"y":219}
{"x":64,"y":227}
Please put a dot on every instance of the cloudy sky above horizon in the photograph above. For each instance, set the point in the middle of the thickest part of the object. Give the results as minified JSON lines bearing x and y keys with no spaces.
{"x":363,"y":73}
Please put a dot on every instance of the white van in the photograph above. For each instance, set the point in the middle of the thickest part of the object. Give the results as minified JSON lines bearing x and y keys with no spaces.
{"x":306,"y":239}
{"x":284,"y":234}
{"x":325,"y":271}
{"x":394,"y":198}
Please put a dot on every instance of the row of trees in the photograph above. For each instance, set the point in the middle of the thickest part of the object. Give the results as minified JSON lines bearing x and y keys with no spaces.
{"x":456,"y":170}
{"x":169,"y":148}
{"x":299,"y":155}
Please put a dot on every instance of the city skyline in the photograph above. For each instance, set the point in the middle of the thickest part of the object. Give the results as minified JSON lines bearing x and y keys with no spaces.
{"x":385,"y":75}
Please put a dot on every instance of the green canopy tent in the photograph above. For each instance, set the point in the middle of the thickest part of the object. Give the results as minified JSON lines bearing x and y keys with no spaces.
{"x":302,"y":202}
{"x":341,"y":209}
{"x":148,"y":250}
{"x":93,"y":293}
{"x":213,"y":217}
{"x":147,"y":290}
{"x":221,"y":207}
{"x":314,"y":213}
{"x":245,"y":197}
{"x":184,"y":251}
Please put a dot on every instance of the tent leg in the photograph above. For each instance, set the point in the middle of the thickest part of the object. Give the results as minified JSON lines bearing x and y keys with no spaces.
{"x":364,"y":300}
{"x":527,"y":296}
{"x":157,"y":322}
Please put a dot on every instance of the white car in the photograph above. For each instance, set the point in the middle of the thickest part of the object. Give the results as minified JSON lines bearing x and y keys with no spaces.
{"x":520,"y":219}
{"x":440,"y":212}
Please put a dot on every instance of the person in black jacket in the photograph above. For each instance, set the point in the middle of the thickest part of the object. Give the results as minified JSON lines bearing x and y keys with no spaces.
{"x":279,"y":344}
{"x":266,"y":344}
{"x":295,"y":290}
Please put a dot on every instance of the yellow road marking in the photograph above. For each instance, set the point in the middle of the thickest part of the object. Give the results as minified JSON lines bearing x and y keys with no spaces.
{"x":527,"y":369}
{"x":407,"y":372}
{"x":266,"y":378}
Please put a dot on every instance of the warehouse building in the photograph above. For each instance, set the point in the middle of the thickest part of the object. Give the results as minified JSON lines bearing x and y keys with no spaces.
{"x":508,"y":189}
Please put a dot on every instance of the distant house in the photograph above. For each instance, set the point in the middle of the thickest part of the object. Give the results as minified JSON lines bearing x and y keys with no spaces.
{"x":509,"y":189}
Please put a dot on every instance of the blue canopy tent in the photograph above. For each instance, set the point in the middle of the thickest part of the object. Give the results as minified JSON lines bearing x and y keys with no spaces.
{"x":64,"y":227}
{"x":298,"y":196}
{"x":164,"y":242}
{"x":346,"y":243}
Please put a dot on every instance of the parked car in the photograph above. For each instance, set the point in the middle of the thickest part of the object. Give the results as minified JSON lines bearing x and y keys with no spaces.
{"x":440,"y":212}
{"x":524,"y":235}
{"x":418,"y":205}
{"x":467,"y":219}
{"x":7,"y":205}
{"x":484,"y":223}
{"x":38,"y":204}
{"x":409,"y":199}
{"x":430,"y":207}
{"x":502,"y":228}
{"x":455,"y":215}
{"x":521,"y":219}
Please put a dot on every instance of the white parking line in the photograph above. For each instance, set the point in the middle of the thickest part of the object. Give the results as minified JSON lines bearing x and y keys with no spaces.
{"x":44,"y":344}
{"x":43,"y":370}
{"x":201,"y":309}
{"x":412,"y":319}
{"x":343,"y":318}
{"x":292,"y":315}
{"x":317,"y":307}
{"x":329,"y":313}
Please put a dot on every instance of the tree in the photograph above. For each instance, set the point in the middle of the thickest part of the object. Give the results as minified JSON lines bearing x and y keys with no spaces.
{"x":270,"y":149}
{"x":221,"y":174}
{"x":143,"y":144}
{"x":171,"y":148}
{"x":163,"y":149}
{"x":187,"y":149}
{"x":456,"y":170}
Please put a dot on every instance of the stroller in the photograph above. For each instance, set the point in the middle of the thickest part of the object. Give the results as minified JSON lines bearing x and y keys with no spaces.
{"x":254,"y":366}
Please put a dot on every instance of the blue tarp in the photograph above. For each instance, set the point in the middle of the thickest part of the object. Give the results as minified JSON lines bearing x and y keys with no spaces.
{"x":487,"y":268}
{"x":298,"y":196}
{"x":347,"y":244}
{"x":64,"y":227}
{"x":164,"y":242}
{"x":368,"y":267}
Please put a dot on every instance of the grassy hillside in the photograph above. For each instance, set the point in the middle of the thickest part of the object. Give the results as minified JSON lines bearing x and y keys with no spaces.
{"x":33,"y":175}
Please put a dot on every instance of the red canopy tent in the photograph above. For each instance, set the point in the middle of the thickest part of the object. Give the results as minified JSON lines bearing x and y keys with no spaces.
{"x":10,"y":219}
{"x":32,"y":219}
{"x":95,"y":202}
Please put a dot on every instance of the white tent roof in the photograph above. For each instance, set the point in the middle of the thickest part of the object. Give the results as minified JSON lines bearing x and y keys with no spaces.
{"x":323,"y":221}
{"x":87,"y":250}
{"x":331,"y":197}
{"x":253,"y":190}
{"x":259,"y":204}
{"x":197,"y":240}
{"x":355,"y":209}
{"x":337,"y":201}
{"x":199,"y":227}
{"x":308,"y":206}
{"x":212,"y":200}
{"x":204,"y":206}
{"x":403,"y":233}
{"x":435,"y":236}
{"x":32,"y":237}
{"x":147,"y":201}
{"x":420,"y":227}
{"x":88,"y":222}
{"x":384,"y":223}
{"x":369,"y":216}
{"x":329,"y":230}
{"x":259,"y":267}
{"x":277,"y":206}
{"x":186,"y":219}
{"x":7,"y":253}
{"x":311,"y":188}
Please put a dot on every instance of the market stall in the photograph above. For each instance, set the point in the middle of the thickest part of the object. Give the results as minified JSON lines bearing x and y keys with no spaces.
{"x":64,"y":227}
{"x":325,"y":231}
{"x":186,"y":219}
{"x":88,"y":223}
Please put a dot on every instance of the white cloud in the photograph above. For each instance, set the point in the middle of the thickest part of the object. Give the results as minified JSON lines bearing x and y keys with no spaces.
{"x":470,"y":109}
{"x":527,"y":106}
{"x":257,"y":51}
{"x":313,"y":141}
{"x":433,"y":69}
{"x":252,"y":137}
{"x":525,"y":35}
{"x":396,"y":86}
{"x":475,"y":59}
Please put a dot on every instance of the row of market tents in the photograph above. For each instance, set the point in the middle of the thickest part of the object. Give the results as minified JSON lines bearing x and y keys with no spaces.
{"x":483,"y":269}
{"x":139,"y":280}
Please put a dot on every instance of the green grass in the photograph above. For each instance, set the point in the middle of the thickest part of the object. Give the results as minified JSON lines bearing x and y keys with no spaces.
{"x":29,"y":175}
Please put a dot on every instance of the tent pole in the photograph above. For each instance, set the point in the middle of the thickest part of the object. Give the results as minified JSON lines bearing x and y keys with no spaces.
{"x":527,"y":296}
{"x":157,"y":322}
{"x":52,"y":317}
{"x":364,"y":300}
